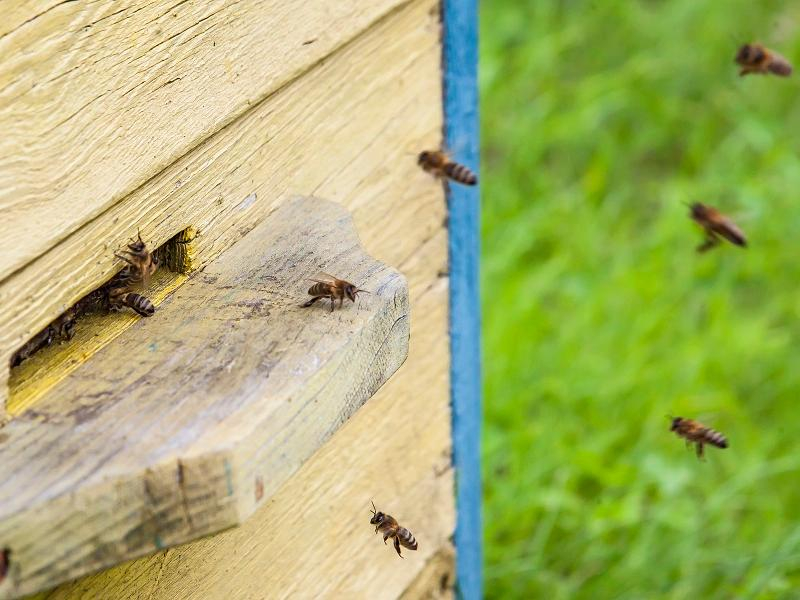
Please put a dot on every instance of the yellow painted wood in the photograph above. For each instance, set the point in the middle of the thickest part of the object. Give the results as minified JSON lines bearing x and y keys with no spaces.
{"x":98,"y":97}
{"x":353,"y":143}
{"x":33,"y":378}
{"x":195,"y":416}
{"x":348,"y":130}
{"x":313,"y":538}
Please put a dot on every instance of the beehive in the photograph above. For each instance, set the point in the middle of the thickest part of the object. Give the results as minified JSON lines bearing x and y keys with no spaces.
{"x":262,"y":137}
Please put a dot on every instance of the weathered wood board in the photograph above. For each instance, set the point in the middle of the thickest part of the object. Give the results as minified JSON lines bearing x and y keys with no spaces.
{"x":98,"y":97}
{"x":353,"y":143}
{"x":313,"y":539}
{"x":347,"y":129}
{"x":197,"y":415}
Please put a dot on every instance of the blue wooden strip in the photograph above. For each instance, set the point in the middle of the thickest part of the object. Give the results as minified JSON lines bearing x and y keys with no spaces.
{"x":461,"y":139}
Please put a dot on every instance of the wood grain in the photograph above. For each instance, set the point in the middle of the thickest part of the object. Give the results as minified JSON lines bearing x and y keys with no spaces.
{"x":352,"y":143}
{"x":195,"y":416}
{"x":436,"y":580}
{"x":348,"y":130}
{"x":98,"y":97}
{"x":313,"y":539}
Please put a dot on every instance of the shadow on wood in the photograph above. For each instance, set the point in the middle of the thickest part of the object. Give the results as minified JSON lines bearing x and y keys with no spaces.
{"x":192,"y":418}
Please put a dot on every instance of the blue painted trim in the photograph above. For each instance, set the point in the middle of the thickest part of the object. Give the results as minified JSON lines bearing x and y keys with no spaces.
{"x":460,"y":33}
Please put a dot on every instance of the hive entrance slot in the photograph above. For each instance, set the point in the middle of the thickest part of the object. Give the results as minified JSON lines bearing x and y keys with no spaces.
{"x":88,"y":325}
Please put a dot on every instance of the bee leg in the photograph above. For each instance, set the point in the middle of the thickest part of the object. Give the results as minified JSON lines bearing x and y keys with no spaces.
{"x":376,"y":529}
{"x":310,"y":302}
{"x":700,"y":450}
{"x":333,"y":302}
{"x":341,"y":302}
{"x":710,"y":242}
{"x":386,"y":535}
{"x":397,"y":546}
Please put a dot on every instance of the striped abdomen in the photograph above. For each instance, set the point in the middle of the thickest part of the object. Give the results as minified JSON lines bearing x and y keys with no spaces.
{"x":320,"y":289}
{"x":137,"y":302}
{"x":406,"y":538}
{"x":715,"y":438}
{"x":460,"y":173}
{"x":730,"y":232}
{"x":780,"y":66}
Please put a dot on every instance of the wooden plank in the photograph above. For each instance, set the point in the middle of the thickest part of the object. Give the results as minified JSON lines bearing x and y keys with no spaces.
{"x":461,"y":136}
{"x":197,"y":415}
{"x":98,"y":97}
{"x":436,"y":580}
{"x":355,"y":144}
{"x":313,"y":538}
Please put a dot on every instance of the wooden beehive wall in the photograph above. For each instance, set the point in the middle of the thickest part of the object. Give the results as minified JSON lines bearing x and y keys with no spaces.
{"x":161,"y":116}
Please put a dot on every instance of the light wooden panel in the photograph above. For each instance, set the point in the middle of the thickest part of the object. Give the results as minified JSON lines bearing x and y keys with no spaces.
{"x":198,"y":414}
{"x":348,"y":130}
{"x":98,"y":97}
{"x":354,"y":143}
{"x":313,"y":538}
{"x":437,"y":580}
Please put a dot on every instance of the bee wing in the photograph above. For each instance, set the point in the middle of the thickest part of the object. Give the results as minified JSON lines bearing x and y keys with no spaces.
{"x":330,"y":279}
{"x":731,"y":232}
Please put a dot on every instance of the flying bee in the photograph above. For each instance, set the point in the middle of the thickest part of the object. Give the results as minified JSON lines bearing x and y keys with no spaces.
{"x":695,"y":432}
{"x":334,"y":289}
{"x":439,"y":164}
{"x":390,"y":528}
{"x":715,"y":225}
{"x":755,"y":58}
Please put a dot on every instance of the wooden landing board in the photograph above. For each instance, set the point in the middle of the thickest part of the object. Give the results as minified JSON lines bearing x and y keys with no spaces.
{"x":348,"y":130}
{"x":98,"y":97}
{"x":313,"y":538}
{"x":194,"y":417}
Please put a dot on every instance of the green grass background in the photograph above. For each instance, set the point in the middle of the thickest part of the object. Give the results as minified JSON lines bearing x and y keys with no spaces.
{"x":599,"y":119}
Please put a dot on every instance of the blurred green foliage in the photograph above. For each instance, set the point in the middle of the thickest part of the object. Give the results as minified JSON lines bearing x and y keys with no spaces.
{"x":600,"y":119}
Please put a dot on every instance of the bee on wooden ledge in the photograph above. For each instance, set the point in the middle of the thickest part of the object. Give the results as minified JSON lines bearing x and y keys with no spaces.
{"x":141,"y":264}
{"x":334,"y":289}
{"x":391,"y":529}
{"x":114,"y":295}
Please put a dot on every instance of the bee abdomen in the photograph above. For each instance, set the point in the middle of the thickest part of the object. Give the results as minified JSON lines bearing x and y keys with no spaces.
{"x":406,"y":538}
{"x":733,"y":234}
{"x":715,"y":438}
{"x":780,"y":67}
{"x":460,"y":173}
{"x":139,"y":303}
{"x":319,"y":289}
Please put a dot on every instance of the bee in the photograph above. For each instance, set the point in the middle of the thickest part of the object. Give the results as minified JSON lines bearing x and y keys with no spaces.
{"x":41,"y":340}
{"x":140,"y":304}
{"x":334,"y":289}
{"x":755,"y":58}
{"x":63,"y":328}
{"x":695,"y":432}
{"x":440,"y":165}
{"x":141,"y":263}
{"x":390,"y":528}
{"x":5,"y":563}
{"x":715,"y":225}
